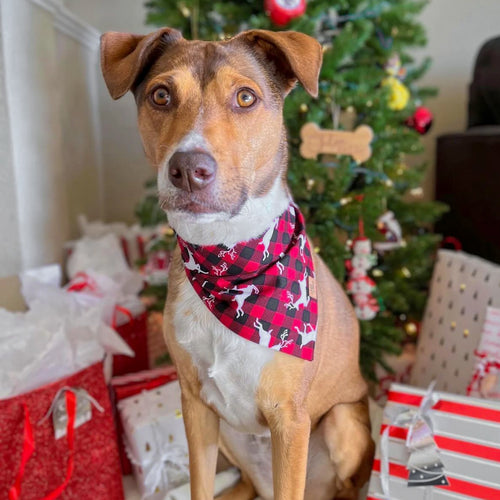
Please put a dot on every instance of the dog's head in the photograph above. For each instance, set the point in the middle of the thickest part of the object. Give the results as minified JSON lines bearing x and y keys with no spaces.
{"x":210,"y":113}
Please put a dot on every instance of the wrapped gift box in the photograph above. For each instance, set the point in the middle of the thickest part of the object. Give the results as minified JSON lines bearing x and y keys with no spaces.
{"x":462,"y":288}
{"x":467,"y":434}
{"x":96,"y":473}
{"x":126,"y":386}
{"x":155,"y":438}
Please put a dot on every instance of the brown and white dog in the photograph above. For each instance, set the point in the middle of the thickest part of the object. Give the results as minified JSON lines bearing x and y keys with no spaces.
{"x":210,"y":118}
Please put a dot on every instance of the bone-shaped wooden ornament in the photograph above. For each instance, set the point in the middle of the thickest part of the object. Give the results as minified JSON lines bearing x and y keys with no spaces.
{"x":316,"y":141}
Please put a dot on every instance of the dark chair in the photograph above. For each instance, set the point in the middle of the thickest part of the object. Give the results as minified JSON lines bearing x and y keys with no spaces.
{"x":468,"y":164}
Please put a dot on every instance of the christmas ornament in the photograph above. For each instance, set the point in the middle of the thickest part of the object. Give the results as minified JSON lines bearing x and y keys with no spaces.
{"x":394,"y":68}
{"x":282,"y":12}
{"x":388,"y":225}
{"x":421,"y":120}
{"x":359,"y":284}
{"x":316,"y":141}
{"x":399,"y":93}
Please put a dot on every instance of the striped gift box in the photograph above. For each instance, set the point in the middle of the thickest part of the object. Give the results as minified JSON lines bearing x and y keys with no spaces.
{"x":467,"y":433}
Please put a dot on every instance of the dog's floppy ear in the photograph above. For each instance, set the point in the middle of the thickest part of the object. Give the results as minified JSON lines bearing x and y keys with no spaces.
{"x":296,"y":55}
{"x":124,"y":56}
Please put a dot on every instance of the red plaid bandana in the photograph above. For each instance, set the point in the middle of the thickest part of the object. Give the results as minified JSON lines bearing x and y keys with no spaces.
{"x":262,"y":289}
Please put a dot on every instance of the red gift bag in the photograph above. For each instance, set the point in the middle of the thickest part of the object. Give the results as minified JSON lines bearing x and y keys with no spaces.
{"x":82,"y":465}
{"x":135,"y":333}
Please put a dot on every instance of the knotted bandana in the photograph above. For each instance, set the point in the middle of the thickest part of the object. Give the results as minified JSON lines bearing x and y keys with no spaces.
{"x":263,"y":289}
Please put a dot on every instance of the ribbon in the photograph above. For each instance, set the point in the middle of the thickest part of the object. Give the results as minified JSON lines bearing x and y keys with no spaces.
{"x":156,"y":467}
{"x":484,"y":366}
{"x":66,"y":388}
{"x":124,"y":311}
{"x":70,"y":433}
{"x":81,"y":281}
{"x":405,"y":416}
{"x":28,"y":449}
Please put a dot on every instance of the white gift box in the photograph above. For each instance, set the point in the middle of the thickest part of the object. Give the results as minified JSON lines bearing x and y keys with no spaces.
{"x":155,"y":438}
{"x":462,"y":288}
{"x":467,"y":433}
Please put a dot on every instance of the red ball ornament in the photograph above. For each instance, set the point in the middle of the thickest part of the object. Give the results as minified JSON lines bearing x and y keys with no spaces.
{"x":282,"y":12}
{"x":421,"y":120}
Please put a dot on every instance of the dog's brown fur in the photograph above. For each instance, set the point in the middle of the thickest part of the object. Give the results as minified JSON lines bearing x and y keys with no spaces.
{"x":328,"y":393}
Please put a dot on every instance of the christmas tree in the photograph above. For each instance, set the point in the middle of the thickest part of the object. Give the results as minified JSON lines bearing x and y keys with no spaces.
{"x":368,"y":78}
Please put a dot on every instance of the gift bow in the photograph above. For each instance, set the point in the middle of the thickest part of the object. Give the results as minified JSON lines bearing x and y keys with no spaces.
{"x":157,"y":472}
{"x":406,"y":417}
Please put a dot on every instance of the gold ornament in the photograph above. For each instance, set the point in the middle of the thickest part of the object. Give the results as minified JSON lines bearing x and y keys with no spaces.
{"x":389,"y":183}
{"x":303,"y":108}
{"x":184,"y":10}
{"x":411,"y":328}
{"x":345,"y":201}
{"x":310,"y":184}
{"x":317,"y":249}
{"x":462,"y":287}
{"x":406,"y":272}
{"x":417,"y":192}
{"x":377,"y":273}
{"x":399,"y":95}
{"x":466,"y":333}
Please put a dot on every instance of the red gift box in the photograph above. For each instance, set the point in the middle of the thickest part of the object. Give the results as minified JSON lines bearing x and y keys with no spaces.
{"x":130,"y":385}
{"x":135,"y":333}
{"x":96,"y":468}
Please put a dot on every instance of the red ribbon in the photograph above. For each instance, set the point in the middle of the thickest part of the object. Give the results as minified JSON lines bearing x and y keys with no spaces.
{"x":70,"y":434}
{"x":29,"y":448}
{"x":122,"y":310}
{"x":80,"y":282}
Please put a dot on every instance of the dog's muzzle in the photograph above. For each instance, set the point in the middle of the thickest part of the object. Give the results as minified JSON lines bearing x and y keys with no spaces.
{"x":191,"y":171}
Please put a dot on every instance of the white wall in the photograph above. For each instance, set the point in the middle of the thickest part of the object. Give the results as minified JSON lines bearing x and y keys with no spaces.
{"x":10,"y":243}
{"x":456,"y":30}
{"x":125,"y":168}
{"x":50,"y":62}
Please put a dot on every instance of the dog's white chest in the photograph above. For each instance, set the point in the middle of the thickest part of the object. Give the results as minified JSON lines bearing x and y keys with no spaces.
{"x":229,"y":367}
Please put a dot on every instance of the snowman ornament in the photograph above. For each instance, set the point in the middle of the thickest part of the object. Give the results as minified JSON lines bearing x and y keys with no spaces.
{"x":359,"y":284}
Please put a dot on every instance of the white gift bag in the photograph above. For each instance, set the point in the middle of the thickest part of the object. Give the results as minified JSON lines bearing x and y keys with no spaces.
{"x":60,"y":334}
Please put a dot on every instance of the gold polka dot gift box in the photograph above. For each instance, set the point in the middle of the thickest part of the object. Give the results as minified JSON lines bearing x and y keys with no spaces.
{"x":155,"y":439}
{"x":463,"y":288}
{"x":437,"y":446}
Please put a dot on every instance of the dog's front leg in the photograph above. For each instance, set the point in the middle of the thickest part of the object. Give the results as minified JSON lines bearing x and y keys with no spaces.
{"x":202,"y":432}
{"x":290,"y":430}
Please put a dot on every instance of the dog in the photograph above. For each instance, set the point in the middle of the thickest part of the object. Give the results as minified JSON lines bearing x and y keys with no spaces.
{"x":288,"y":406}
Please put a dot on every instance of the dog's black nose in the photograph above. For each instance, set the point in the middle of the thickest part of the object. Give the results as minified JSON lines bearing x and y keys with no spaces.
{"x":191,"y":171}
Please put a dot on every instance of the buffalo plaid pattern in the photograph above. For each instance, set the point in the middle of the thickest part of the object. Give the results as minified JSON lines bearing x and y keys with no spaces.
{"x":262,"y":289}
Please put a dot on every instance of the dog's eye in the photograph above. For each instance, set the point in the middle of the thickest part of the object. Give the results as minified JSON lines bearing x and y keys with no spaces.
{"x":161,"y":96}
{"x":245,"y":98}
